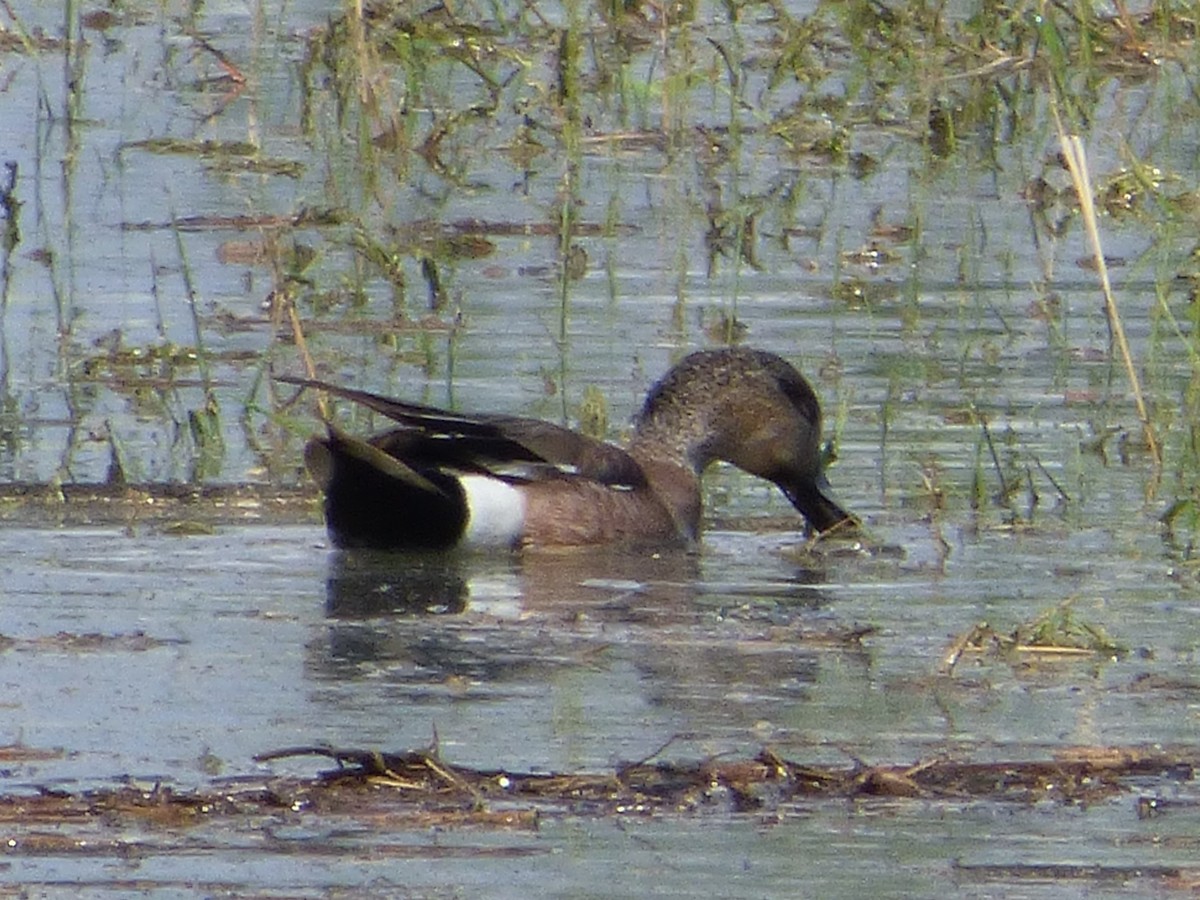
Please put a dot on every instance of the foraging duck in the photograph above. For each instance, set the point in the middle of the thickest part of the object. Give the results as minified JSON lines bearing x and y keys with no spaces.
{"x":444,"y":479}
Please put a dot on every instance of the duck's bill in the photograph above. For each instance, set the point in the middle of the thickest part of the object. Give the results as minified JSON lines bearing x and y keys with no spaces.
{"x":815,"y":502}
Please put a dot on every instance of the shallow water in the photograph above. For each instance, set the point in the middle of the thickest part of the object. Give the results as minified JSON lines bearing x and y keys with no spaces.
{"x":260,"y":639}
{"x":177,"y":658}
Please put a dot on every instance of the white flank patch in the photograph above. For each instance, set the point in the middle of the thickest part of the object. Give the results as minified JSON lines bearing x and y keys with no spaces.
{"x":495,"y":512}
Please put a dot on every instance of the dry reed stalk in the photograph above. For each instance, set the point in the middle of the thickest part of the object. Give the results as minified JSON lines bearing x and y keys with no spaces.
{"x":1076,"y":158}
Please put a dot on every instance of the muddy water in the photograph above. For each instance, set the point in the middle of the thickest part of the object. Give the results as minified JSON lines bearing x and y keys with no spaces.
{"x":135,"y":653}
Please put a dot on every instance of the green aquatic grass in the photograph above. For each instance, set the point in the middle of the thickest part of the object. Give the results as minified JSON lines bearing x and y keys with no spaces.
{"x":745,"y":120}
{"x":957,"y":87}
{"x":10,"y":235}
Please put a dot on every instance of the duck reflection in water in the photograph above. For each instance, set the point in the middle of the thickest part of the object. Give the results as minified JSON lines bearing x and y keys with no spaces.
{"x":512,"y":615}
{"x":597,"y":581}
{"x":428,"y":626}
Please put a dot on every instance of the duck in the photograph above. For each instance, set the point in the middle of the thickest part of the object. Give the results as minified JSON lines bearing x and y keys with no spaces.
{"x":440,"y":480}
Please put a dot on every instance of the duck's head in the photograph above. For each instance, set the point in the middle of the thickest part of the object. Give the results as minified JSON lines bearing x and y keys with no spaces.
{"x":749,"y":408}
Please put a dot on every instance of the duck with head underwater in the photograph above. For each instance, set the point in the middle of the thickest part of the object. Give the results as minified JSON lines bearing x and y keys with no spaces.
{"x":441,"y":480}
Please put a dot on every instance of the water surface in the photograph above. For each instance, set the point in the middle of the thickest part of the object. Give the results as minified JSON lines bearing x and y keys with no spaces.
{"x":948,"y":320}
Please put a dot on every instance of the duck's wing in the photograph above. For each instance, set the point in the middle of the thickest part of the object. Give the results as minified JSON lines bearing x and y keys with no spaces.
{"x":487,"y":441}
